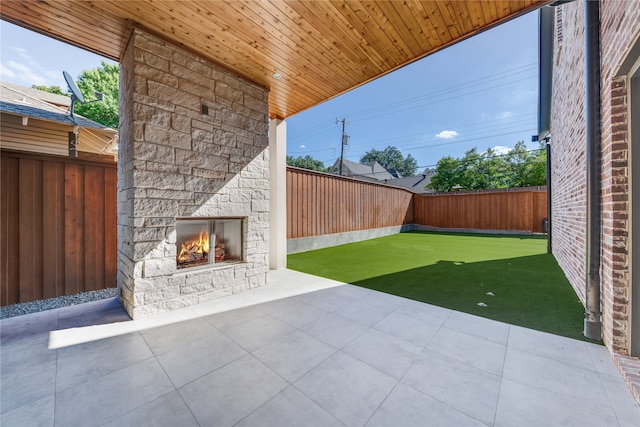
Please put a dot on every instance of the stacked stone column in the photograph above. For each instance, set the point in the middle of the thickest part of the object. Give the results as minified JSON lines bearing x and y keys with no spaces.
{"x":193,"y":143}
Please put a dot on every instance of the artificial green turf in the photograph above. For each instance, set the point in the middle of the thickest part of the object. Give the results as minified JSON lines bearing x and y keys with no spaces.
{"x":457,"y":271}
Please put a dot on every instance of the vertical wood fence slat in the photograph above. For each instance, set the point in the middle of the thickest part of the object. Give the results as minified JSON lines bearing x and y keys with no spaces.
{"x":30,"y":228}
{"x":9,"y":217}
{"x":53,"y":229}
{"x":110,"y":221}
{"x":58,"y":225}
{"x":74,"y":228}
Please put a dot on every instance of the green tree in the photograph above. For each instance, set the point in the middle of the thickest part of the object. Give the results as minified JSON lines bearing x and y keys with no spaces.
{"x":448,"y":175}
{"x":392,"y":158}
{"x":476,"y":171}
{"x":50,"y":89}
{"x":306,"y":162}
{"x":102,"y":79}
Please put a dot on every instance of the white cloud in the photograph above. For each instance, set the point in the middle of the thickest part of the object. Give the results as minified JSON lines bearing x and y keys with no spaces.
{"x":500,"y":150}
{"x":303,"y":146}
{"x":447,"y":134}
{"x":6,"y":72}
{"x":505,"y":115}
{"x":26,"y":74}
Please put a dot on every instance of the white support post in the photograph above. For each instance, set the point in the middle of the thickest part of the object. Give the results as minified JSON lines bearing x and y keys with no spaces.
{"x":278,"y":194}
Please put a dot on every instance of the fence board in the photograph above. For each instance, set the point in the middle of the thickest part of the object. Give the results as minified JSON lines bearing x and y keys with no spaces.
{"x":58,"y":226}
{"x":53,"y":229}
{"x":30,"y":228}
{"x":10,"y":290}
{"x":508,"y":211}
{"x":326,"y":204}
{"x":74,"y":228}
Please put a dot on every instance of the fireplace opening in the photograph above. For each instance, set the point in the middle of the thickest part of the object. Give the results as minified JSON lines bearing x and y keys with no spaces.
{"x":202,"y":242}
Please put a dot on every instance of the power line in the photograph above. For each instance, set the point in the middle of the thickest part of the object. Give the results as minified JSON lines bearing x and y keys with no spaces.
{"x":495,"y":77}
{"x":519,"y":119}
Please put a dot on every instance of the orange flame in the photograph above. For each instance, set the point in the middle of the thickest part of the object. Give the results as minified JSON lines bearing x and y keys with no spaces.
{"x":188,"y":250}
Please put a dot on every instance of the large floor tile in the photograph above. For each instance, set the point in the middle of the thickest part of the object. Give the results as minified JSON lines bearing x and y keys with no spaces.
{"x":299,"y":314}
{"x":408,"y":407}
{"x":93,"y":313}
{"x":416,"y":331}
{"x":290,"y":408}
{"x":386,"y":353}
{"x":335,"y":330}
{"x":363,"y":312}
{"x":326,"y":299}
{"x":36,"y":414}
{"x":580,"y":385}
{"x":384,"y":300}
{"x":194,"y":360}
{"x":85,"y":362}
{"x":351,"y":292}
{"x":293,"y":355}
{"x":274,"y":305}
{"x":106,"y":398}
{"x":551,"y":346}
{"x":169,"y":337}
{"x":26,"y":385}
{"x":602,"y":359}
{"x":28,"y":352}
{"x":168,"y":410}
{"x":226,"y":396}
{"x":258,"y":332}
{"x":465,"y":388}
{"x":624,"y":406}
{"x":347,"y":388}
{"x":427,"y":312}
{"x":474,"y":351}
{"x":21,"y":327}
{"x":232,"y":318}
{"x":520,"y":405}
{"x":480,"y":327}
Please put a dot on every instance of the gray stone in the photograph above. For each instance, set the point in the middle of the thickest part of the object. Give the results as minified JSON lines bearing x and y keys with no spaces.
{"x":159,"y":267}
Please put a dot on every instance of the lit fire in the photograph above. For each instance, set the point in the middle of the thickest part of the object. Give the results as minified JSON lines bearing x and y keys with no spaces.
{"x":195,"y":251}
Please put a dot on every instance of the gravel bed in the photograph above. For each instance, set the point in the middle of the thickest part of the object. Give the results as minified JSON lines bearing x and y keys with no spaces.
{"x":53,"y":303}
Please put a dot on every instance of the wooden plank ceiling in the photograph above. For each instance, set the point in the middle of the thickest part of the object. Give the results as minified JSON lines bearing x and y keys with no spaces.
{"x":321,"y":49}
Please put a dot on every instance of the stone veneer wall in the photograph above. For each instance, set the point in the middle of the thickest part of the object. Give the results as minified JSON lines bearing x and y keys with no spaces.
{"x":620,"y":24}
{"x":175,"y":161}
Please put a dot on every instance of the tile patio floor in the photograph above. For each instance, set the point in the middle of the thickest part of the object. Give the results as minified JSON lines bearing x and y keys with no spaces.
{"x":302,"y":351}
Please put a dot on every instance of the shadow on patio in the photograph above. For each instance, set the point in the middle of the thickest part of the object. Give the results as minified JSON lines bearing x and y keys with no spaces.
{"x":301,"y":351}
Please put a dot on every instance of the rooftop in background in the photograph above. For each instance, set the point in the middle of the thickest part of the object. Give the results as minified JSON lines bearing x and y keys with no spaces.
{"x":415,"y":184}
{"x":370,"y":171}
{"x":29,"y":102}
{"x":39,"y":121}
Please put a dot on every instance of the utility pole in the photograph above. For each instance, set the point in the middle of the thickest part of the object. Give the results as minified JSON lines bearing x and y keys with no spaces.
{"x":345,"y":141}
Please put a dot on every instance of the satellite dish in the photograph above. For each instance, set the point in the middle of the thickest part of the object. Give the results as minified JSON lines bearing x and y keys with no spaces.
{"x":73,"y":87}
{"x":75,"y":92}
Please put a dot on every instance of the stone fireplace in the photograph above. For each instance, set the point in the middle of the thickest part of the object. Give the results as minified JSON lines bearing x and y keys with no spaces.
{"x":193,"y":163}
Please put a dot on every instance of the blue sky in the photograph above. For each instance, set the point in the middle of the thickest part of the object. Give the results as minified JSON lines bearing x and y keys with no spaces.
{"x":480,"y":93}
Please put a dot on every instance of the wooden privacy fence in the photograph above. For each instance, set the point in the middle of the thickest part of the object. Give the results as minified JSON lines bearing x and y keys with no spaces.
{"x":319,"y":203}
{"x":58,"y":224}
{"x":513,"y":211}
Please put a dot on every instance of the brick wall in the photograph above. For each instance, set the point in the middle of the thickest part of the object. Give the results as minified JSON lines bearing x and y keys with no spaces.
{"x":620,"y":25}
{"x":568,"y":173}
{"x":178,"y":161}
